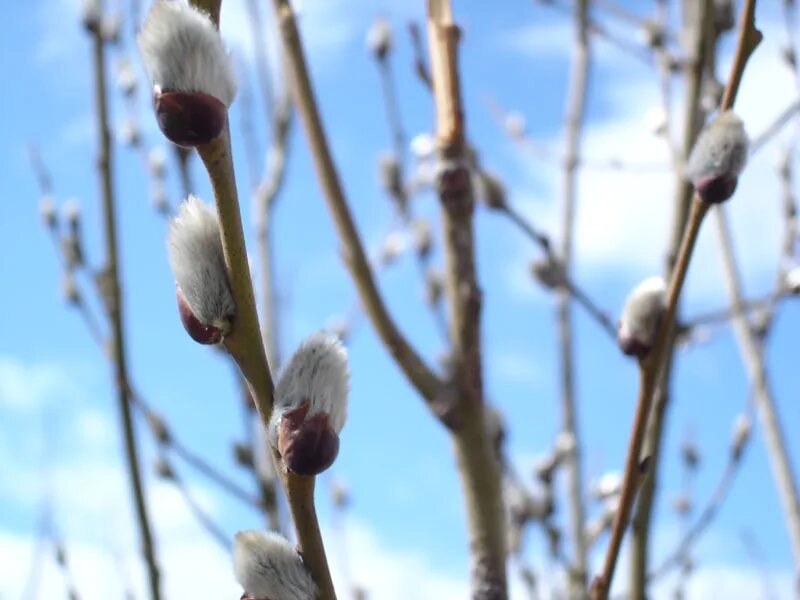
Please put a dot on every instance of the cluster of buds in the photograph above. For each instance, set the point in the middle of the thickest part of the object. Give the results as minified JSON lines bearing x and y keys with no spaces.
{"x":269,"y":568}
{"x":718,"y":157}
{"x":205,"y":300}
{"x":641,"y":317}
{"x":311,"y":405}
{"x":192,"y":75}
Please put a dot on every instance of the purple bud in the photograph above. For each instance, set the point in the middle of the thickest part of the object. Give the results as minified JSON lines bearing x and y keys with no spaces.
{"x":198,"y":331}
{"x":190,"y":118}
{"x":307,"y":446}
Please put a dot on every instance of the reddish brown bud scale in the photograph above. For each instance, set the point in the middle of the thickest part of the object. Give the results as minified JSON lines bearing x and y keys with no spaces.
{"x":716,"y":190}
{"x":189,"y":118}
{"x":307,"y":445}
{"x":199,"y":332}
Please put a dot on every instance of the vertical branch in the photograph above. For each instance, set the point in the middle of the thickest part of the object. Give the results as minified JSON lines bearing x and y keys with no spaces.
{"x":698,"y":22}
{"x":115,"y":313}
{"x":478,"y":465}
{"x":753,"y":358}
{"x":576,"y":110}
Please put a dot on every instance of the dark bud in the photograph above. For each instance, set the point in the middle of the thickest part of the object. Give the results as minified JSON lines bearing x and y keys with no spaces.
{"x":644,"y":465}
{"x":716,"y":189}
{"x":549,"y":273}
{"x":164,"y":469}
{"x":632,"y":346}
{"x":307,"y":446}
{"x":244,"y":455}
{"x":190,"y":118}
{"x":199,"y":332}
{"x":159,"y":428}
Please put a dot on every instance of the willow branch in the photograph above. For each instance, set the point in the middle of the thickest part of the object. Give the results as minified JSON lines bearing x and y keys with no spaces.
{"x":650,"y":367}
{"x":574,"y":119}
{"x":699,"y":35}
{"x":413,"y":366}
{"x":115,"y":315}
{"x":753,"y":358}
{"x":479,"y":468}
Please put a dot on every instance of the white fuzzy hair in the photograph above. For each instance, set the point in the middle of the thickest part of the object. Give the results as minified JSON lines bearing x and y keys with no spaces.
{"x":316,"y":372}
{"x":643,"y":307}
{"x":183,"y":52}
{"x":198,"y":263}
{"x":720,"y":149}
{"x":268,"y":567}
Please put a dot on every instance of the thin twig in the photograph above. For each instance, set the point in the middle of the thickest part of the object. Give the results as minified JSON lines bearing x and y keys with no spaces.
{"x":699,"y":36}
{"x":420,"y":375}
{"x":753,"y":358}
{"x":573,"y":123}
{"x":650,"y":367}
{"x":115,"y":314}
{"x":478,"y":465}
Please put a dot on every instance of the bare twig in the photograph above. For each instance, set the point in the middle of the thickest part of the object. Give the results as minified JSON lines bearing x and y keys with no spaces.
{"x":420,"y":375}
{"x":753,"y":358}
{"x":573,"y":123}
{"x":699,"y":35}
{"x":115,"y":314}
{"x":478,"y":465}
{"x":650,"y":367}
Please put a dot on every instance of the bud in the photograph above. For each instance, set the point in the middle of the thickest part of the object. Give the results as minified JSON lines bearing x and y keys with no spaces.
{"x":91,"y":14}
{"x":690,"y":455}
{"x":110,"y":25}
{"x":158,"y":195}
{"x":156,"y":162}
{"x":243,"y":454}
{"x":724,"y":15}
{"x":494,"y":192}
{"x":423,"y":146}
{"x":126,"y":77}
{"x":718,"y":156}
{"x":549,"y":272}
{"x":379,"y":38}
{"x":389,"y":174}
{"x":741,"y":435}
{"x":792,"y":280}
{"x":269,"y":568}
{"x":655,"y":120}
{"x":789,"y":55}
{"x":340,"y":495}
{"x":311,"y":405}
{"x":712,"y":94}
{"x":607,"y":486}
{"x":394,"y":244}
{"x":652,"y":34}
{"x":682,"y":504}
{"x":434,"y":286}
{"x":129,"y":133}
{"x":192,"y":75}
{"x":515,"y":125}
{"x":164,"y":469}
{"x":47,"y":212}
{"x":70,"y":291}
{"x":641,"y":317}
{"x":423,"y":239}
{"x":72,"y":212}
{"x":205,"y":300}
{"x":159,"y":428}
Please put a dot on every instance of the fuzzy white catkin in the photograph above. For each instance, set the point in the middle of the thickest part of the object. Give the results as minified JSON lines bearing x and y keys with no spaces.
{"x":720,"y":149}
{"x":268,"y":567}
{"x":183,"y":52}
{"x":317,"y":372}
{"x":379,"y":37}
{"x":198,"y":262}
{"x":643,"y":307}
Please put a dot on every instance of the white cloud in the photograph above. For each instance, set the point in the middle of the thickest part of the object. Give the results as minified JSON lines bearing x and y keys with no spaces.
{"x":25,"y":386}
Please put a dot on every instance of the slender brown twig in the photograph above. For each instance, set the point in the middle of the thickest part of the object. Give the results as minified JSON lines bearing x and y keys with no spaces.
{"x":698,"y":26}
{"x":650,"y":367}
{"x":115,"y":314}
{"x":420,"y":375}
{"x":573,"y":123}
{"x":477,"y":462}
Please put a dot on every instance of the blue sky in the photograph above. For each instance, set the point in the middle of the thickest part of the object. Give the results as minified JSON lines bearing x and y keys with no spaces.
{"x":397,"y":462}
